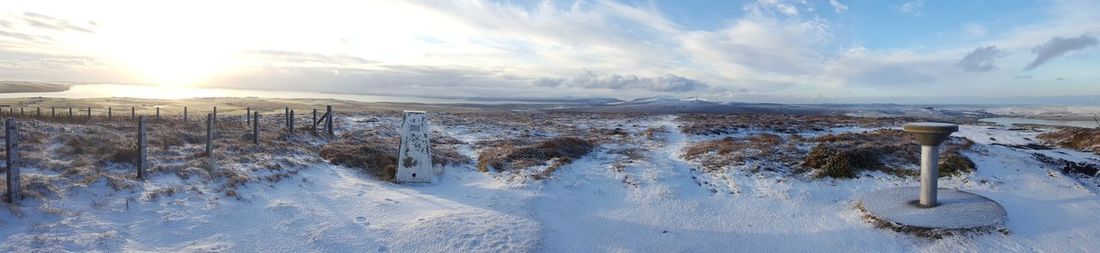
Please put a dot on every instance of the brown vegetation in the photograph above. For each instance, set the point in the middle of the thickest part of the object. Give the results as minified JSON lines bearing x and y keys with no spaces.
{"x":716,"y":154}
{"x":377,"y":160}
{"x":843,"y":155}
{"x":888,"y":150}
{"x":709,"y":124}
{"x":1087,"y":139}
{"x":513,"y":155}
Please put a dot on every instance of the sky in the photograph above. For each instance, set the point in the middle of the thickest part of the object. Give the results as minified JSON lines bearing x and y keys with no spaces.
{"x":751,"y":51}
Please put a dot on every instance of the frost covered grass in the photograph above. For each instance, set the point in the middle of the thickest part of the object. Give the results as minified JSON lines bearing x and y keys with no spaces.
{"x":567,"y":182}
{"x":834,"y":155}
{"x":520,"y":154}
{"x":1085,"y":139}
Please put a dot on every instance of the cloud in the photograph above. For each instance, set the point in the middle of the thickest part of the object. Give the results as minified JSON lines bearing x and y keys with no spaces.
{"x":981,"y":59}
{"x":915,"y":8}
{"x":588,"y":80}
{"x":973,"y":30}
{"x":382,"y":80}
{"x":15,"y":65}
{"x":1057,"y":47}
{"x":5,"y":23}
{"x":52,"y":23}
{"x":839,"y":7}
{"x":1022,"y":77}
{"x":305,"y":57}
{"x":25,"y":37}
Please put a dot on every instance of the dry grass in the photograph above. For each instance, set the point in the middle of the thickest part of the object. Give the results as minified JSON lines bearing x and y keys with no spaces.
{"x":730,"y":151}
{"x":377,"y":160}
{"x":515,"y":155}
{"x":844,"y":155}
{"x":374,"y":149}
{"x":1074,"y":138}
{"x":711,"y":124}
{"x":888,"y":150}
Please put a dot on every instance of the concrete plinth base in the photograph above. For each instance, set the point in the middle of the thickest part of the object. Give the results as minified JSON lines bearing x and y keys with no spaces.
{"x":957,"y":210}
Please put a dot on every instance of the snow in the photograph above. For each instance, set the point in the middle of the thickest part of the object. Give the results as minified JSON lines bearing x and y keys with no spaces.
{"x":659,"y":204}
{"x":955,"y":209}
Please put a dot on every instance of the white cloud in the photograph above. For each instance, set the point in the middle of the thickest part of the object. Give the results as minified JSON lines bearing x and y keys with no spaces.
{"x":489,"y":48}
{"x":973,"y":30}
{"x":914,"y":8}
{"x":837,"y":6}
{"x":589,"y":80}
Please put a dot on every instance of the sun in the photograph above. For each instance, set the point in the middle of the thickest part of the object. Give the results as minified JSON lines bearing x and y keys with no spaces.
{"x":173,"y":65}
{"x":166,"y":54}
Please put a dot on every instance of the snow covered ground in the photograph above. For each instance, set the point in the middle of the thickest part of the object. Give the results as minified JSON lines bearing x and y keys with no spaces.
{"x":657,"y":204}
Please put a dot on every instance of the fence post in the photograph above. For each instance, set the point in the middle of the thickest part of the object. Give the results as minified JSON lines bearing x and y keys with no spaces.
{"x":38,"y":112}
{"x":11,"y":141}
{"x":215,"y":113}
{"x":256,"y":128}
{"x":109,"y":112}
{"x":53,"y":112}
{"x":286,"y":118}
{"x":21,"y":112}
{"x":89,"y":112}
{"x":248,"y":115}
{"x":290,"y":128}
{"x":313,"y":123}
{"x":141,"y":145}
{"x":133,"y":112}
{"x":328,"y":121}
{"x":158,"y":112}
{"x":209,"y":134}
{"x":70,"y":112}
{"x":184,"y":114}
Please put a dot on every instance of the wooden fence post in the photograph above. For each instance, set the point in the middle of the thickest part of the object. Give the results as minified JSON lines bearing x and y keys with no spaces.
{"x":209,"y":134}
{"x":256,"y":128}
{"x":248,"y":115}
{"x":38,"y":112}
{"x":313,"y":124}
{"x":328,"y":121}
{"x":70,"y":112}
{"x":21,"y":112}
{"x":184,"y":114}
{"x":11,"y":142}
{"x":133,"y":112}
{"x":286,"y":116}
{"x":158,"y":112}
{"x":89,"y":112}
{"x":53,"y":112}
{"x":109,"y":112}
{"x":141,"y":145}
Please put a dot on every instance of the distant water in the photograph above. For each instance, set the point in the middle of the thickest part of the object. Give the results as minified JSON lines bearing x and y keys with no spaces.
{"x":159,"y":92}
{"x":1013,"y":121}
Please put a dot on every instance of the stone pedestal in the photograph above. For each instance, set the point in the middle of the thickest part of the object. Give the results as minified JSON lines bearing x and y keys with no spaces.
{"x":957,"y":210}
{"x":414,"y":162}
{"x":929,"y":207}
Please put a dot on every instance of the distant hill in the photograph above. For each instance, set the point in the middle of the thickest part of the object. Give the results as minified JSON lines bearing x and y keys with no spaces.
{"x":32,"y":86}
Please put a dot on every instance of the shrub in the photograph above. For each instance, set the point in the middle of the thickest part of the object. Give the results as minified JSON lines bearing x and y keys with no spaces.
{"x":1074,"y":138}
{"x":512,"y":156}
{"x":376,"y":160}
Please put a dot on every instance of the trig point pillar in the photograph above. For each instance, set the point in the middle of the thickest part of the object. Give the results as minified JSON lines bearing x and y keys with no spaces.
{"x":414,"y":161}
{"x":929,"y":207}
{"x":930,"y":136}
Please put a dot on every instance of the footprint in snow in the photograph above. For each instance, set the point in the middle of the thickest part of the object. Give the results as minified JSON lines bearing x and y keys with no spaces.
{"x":361,"y":220}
